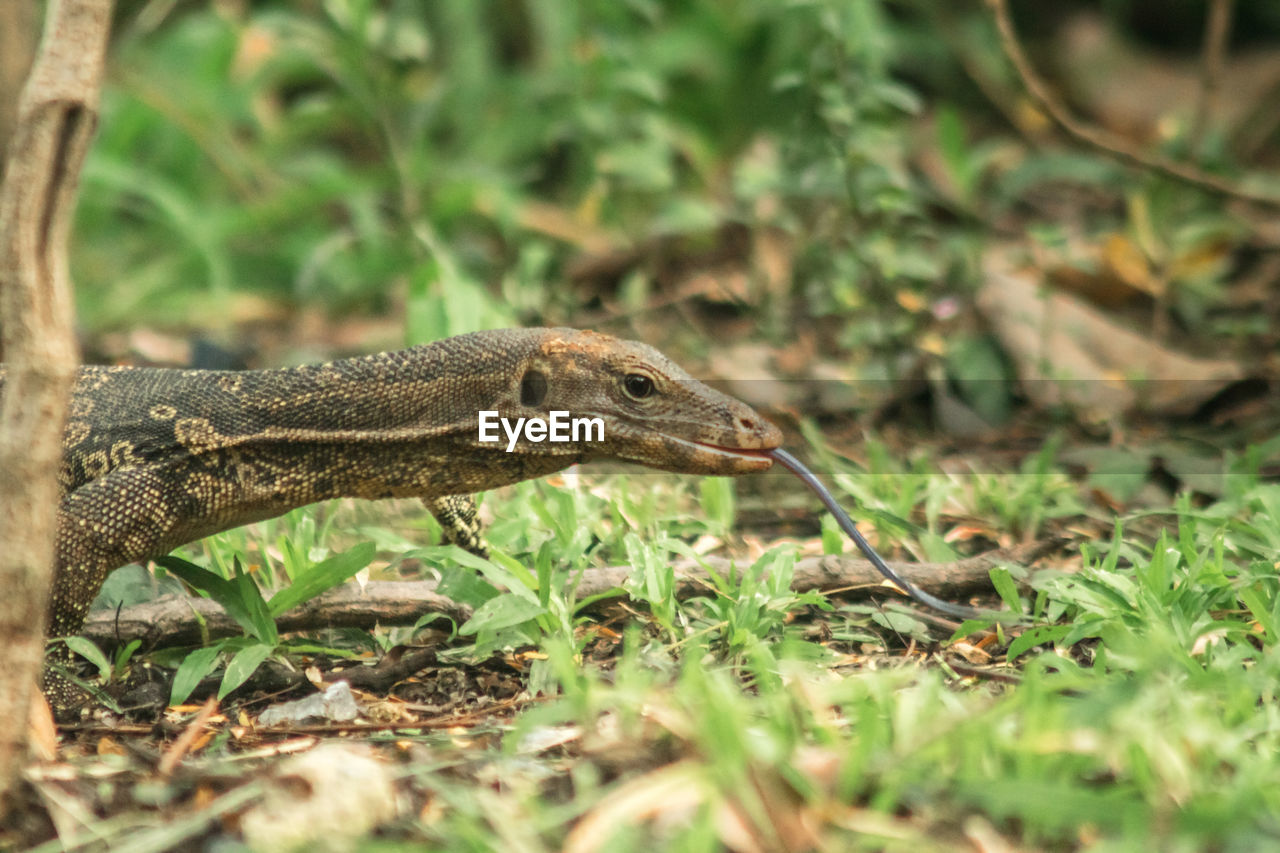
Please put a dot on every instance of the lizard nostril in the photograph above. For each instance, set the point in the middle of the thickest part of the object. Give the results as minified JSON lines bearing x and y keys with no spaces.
{"x":746,"y":423}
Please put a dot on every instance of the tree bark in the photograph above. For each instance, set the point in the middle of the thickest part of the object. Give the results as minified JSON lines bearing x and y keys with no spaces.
{"x":17,"y":45}
{"x":56,"y":119}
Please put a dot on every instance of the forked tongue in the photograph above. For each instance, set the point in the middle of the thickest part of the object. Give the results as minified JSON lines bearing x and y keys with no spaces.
{"x":795,"y":466}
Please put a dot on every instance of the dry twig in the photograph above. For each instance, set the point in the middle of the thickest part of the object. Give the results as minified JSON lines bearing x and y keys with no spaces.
{"x":179,"y":748}
{"x":1217,"y":29}
{"x":1109,"y":143}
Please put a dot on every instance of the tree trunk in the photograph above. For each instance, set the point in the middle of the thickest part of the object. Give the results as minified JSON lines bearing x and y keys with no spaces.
{"x":56,"y":118}
{"x":17,"y":44}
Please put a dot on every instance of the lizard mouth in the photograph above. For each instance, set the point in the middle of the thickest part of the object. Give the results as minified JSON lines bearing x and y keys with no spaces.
{"x":740,"y":459}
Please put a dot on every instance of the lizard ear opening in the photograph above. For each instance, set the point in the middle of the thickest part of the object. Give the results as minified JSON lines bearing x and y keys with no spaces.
{"x":533,"y":388}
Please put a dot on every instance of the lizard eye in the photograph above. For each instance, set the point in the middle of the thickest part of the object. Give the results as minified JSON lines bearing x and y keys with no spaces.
{"x":637,"y":385}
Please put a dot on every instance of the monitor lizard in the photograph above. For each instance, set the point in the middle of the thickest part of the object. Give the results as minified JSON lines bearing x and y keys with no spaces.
{"x":154,"y":458}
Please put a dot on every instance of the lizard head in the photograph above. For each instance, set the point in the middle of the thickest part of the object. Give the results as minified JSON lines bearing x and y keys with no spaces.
{"x":652,"y":411}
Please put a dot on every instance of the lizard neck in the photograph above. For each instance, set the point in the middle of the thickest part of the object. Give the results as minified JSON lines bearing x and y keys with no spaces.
{"x":389,"y":425}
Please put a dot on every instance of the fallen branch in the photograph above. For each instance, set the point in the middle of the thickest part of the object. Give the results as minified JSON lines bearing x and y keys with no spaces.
{"x":172,"y":619}
{"x":176,"y":619}
{"x":1100,"y":139}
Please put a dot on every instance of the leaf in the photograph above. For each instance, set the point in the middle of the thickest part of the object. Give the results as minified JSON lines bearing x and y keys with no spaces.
{"x":221,"y":590}
{"x":444,"y":301}
{"x":465,"y":586}
{"x":898,"y":621}
{"x":1008,"y":591}
{"x":125,"y":654}
{"x":1084,"y":628}
{"x":1127,"y":263}
{"x":321,"y":577}
{"x":718,"y":501}
{"x":89,"y":650}
{"x":1118,"y":472}
{"x":264,"y":627}
{"x":242,"y":665}
{"x":542,"y":567}
{"x":936,"y":548}
{"x":954,"y":148}
{"x":427,"y":618}
{"x":1067,"y":352}
{"x":1036,"y":636}
{"x":505,"y":611}
{"x":649,"y":579}
{"x":193,"y":668}
{"x":512,"y":574}
{"x":777,"y":566}
{"x":683,"y":215}
{"x":1259,"y":608}
{"x":1094,"y":594}
{"x":501,"y":571}
{"x":977,"y":369}
{"x":832,"y":536}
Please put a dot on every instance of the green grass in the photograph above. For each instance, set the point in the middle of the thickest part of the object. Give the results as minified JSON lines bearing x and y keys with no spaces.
{"x":1151,"y":722}
{"x":1144,"y":714}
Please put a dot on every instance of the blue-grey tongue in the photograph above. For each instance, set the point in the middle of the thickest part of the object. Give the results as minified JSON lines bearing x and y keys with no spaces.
{"x":795,"y":466}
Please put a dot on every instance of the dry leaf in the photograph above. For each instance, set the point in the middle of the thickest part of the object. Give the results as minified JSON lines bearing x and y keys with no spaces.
{"x":42,"y":732}
{"x":1127,"y":263}
{"x":1154,"y":98}
{"x":1069,"y":353}
{"x":679,"y":787}
{"x":333,"y":792}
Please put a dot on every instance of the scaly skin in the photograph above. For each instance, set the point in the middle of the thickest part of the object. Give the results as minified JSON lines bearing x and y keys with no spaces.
{"x":156,"y":458}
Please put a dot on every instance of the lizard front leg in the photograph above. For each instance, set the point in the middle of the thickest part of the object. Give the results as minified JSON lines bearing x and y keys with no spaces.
{"x":82,"y":566}
{"x":458,"y":517}
{"x":99,"y":530}
{"x":129,"y":515}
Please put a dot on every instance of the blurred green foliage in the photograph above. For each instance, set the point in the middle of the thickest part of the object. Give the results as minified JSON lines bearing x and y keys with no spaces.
{"x":446,"y":163}
{"x":372,"y":157}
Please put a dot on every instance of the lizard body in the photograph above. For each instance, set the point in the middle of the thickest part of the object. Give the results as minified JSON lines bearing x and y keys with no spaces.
{"x":154,"y":458}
